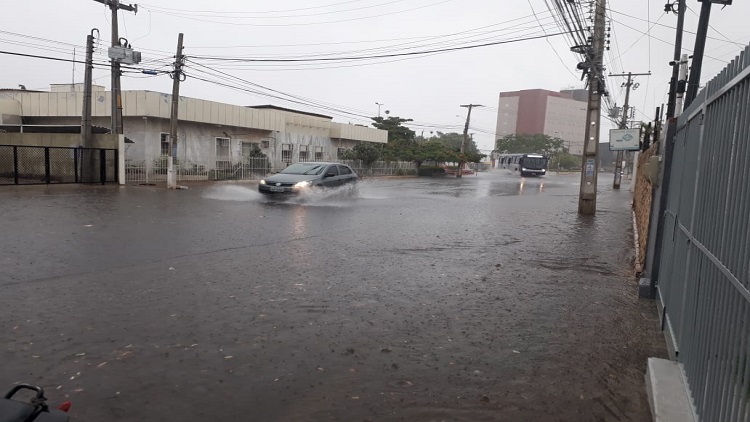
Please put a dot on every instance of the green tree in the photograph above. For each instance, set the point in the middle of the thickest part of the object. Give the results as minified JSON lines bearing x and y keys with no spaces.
{"x":525,"y":143}
{"x":397,"y":132}
{"x":364,"y":151}
{"x":565,"y":161}
{"x":453,"y":141}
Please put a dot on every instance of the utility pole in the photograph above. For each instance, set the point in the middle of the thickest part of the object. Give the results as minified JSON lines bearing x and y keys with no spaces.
{"x":700,"y":46}
{"x":681,"y":6}
{"x":681,"y":84}
{"x":465,"y":139}
{"x":87,"y":81}
{"x":589,"y":175}
{"x":624,"y":123}
{"x":115,"y":6}
{"x":177,"y":77}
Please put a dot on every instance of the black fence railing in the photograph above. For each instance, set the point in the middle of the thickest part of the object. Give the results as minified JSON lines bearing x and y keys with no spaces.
{"x":30,"y":165}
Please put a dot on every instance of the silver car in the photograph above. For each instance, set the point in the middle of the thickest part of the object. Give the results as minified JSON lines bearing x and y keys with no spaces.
{"x":302,"y":177}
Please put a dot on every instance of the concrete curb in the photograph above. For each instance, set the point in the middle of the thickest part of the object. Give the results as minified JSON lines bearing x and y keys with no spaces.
{"x":667,"y":393}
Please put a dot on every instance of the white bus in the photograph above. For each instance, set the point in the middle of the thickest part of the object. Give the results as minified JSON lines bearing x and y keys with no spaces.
{"x":524,"y":164}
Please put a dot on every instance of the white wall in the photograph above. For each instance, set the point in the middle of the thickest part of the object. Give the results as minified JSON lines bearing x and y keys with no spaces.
{"x":566,"y":119}
{"x":507,"y":116}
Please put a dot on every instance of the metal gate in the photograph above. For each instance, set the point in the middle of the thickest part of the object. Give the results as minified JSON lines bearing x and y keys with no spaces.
{"x":29,"y":165}
{"x":703,"y":279}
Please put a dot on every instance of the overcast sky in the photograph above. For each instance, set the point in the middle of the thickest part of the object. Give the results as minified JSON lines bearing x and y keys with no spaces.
{"x":426,"y":88}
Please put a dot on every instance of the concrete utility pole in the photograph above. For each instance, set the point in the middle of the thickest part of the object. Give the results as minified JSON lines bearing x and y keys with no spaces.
{"x":87,"y":81}
{"x":465,"y":139}
{"x":590,"y":171}
{"x":624,"y":123}
{"x":681,"y":7}
{"x":177,"y":77}
{"x":681,"y":83}
{"x":115,"y":6}
{"x":700,"y":46}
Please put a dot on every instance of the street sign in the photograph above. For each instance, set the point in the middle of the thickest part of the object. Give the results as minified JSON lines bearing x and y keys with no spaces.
{"x":624,"y":139}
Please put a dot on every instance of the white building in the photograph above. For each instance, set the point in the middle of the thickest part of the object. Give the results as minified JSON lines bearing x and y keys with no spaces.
{"x":208,"y":131}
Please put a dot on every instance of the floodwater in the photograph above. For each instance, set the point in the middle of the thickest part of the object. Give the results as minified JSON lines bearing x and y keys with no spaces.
{"x":485,"y":298}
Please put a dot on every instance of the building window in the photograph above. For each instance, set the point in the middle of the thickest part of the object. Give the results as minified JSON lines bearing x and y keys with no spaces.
{"x":303,"y":153}
{"x":164,"y":144}
{"x":318,"y":153}
{"x":222,"y":147}
{"x":286,"y":153}
{"x":248,"y":149}
{"x":265,"y":144}
{"x":340,"y":152}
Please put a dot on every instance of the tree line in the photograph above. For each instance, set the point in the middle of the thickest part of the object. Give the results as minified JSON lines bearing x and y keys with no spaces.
{"x":404,"y":145}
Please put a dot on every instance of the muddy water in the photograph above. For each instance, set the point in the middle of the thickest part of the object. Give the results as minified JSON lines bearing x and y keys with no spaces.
{"x":479,"y":299}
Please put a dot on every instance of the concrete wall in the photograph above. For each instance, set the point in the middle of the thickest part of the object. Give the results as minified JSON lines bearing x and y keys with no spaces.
{"x":70,"y":140}
{"x":507,"y":116}
{"x":10,"y":111}
{"x":566,"y":119}
{"x":157,"y":105}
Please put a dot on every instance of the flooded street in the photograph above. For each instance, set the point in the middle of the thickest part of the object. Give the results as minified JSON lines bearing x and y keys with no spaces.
{"x":485,"y":298}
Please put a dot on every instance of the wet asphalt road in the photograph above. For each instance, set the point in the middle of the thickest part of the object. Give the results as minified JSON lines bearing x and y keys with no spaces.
{"x":479,"y":299}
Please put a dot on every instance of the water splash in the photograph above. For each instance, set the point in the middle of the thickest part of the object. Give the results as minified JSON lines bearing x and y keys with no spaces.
{"x":234,"y":193}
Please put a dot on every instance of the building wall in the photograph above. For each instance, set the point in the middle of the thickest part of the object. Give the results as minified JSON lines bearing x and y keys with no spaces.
{"x":532,"y":107}
{"x":68,"y":140}
{"x":557,"y":114}
{"x":566,"y":119}
{"x":507,"y":116}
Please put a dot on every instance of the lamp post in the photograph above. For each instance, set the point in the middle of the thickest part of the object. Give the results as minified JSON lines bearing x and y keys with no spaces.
{"x":379,"y":104}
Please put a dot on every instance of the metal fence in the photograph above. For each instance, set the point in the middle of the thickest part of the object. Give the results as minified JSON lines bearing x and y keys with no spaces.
{"x":154,"y":170}
{"x":382,"y":168}
{"x":704,"y":269}
{"x":29,"y":165}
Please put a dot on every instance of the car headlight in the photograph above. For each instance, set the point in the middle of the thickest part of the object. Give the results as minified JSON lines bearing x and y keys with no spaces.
{"x":523,"y":168}
{"x":304,"y":184}
{"x":262,"y":181}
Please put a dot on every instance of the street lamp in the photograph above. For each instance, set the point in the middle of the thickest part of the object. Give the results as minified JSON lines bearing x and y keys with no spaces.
{"x":379,"y":104}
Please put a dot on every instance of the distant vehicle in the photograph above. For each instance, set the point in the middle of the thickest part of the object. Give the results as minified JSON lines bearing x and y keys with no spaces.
{"x":525,"y":164}
{"x":303,"y":177}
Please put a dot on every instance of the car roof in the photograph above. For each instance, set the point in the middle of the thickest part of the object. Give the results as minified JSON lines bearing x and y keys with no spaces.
{"x":320,"y":163}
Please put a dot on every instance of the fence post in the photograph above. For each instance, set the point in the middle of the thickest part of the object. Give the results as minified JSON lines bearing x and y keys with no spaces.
{"x":46,"y":165}
{"x":15,"y":165}
{"x":117,"y":167}
{"x":103,"y":166}
{"x":75,"y":163}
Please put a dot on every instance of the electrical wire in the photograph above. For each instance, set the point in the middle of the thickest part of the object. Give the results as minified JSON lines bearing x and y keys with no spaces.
{"x":725,"y":39}
{"x":377,"y":56}
{"x":554,"y":50}
{"x":223,"y":14}
{"x":305,"y":23}
{"x":267,"y":11}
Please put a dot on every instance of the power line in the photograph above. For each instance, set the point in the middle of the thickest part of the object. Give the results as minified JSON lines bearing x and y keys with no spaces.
{"x":554,"y":50}
{"x":684,"y":30}
{"x":268,"y":11}
{"x":304,"y":23}
{"x":440,"y":50}
{"x":186,"y":13}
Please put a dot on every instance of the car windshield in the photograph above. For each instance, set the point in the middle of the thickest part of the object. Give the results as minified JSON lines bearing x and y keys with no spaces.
{"x":302,"y":168}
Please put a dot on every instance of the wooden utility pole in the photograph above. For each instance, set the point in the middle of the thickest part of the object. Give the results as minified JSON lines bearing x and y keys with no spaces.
{"x":465,"y":139}
{"x":590,"y":170}
{"x":115,"y":6}
{"x":177,"y":77}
